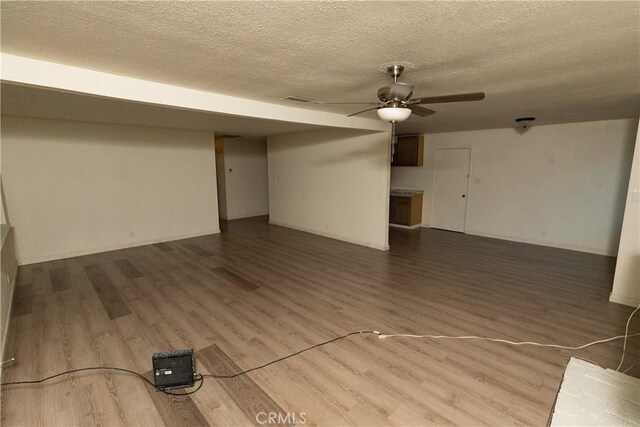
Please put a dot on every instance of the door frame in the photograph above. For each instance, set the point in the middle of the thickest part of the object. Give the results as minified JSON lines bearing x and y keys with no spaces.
{"x":468,"y":193}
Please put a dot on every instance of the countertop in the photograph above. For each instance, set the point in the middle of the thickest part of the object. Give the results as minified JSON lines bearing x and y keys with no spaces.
{"x":404,"y":192}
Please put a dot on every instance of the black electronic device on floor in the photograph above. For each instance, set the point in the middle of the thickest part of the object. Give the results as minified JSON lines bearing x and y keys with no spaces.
{"x":175,"y":369}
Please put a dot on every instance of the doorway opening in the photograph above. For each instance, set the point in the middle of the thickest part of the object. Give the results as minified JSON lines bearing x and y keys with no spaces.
{"x":241,"y":175}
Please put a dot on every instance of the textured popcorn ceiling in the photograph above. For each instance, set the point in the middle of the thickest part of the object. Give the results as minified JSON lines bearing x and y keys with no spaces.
{"x":559,"y":61}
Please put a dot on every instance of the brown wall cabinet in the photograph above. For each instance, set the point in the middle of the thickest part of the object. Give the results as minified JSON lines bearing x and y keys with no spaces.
{"x":405,"y":210}
{"x":409,"y":151}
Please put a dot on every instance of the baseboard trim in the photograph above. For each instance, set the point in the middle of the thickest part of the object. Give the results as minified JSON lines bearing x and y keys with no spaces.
{"x":625,"y":300}
{"x":543,"y":243}
{"x":405,"y":227}
{"x":231,"y":218}
{"x":115,"y":247}
{"x":331,"y":236}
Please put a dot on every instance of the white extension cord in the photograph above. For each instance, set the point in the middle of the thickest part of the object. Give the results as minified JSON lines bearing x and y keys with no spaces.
{"x":566,"y":347}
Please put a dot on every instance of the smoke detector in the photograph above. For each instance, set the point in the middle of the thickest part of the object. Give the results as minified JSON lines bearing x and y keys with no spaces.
{"x":525,"y":122}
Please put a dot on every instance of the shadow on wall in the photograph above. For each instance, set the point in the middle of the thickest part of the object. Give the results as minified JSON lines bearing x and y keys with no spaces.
{"x":616,"y":224}
{"x":355,"y":154}
{"x":347,"y":136}
{"x":108,"y":134}
{"x":621,"y":199}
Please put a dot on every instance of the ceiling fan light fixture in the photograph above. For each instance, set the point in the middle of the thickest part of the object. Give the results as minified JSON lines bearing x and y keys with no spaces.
{"x":394,"y":114}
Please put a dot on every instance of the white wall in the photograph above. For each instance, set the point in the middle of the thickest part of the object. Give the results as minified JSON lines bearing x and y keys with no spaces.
{"x":74,"y":188}
{"x":626,"y":283}
{"x":331,"y":182}
{"x":245,"y":178}
{"x":557,"y":185}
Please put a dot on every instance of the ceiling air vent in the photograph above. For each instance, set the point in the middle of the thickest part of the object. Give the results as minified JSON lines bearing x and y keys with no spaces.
{"x":298,"y":99}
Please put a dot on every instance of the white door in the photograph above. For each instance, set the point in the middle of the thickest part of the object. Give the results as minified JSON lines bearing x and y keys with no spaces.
{"x":450,"y":188}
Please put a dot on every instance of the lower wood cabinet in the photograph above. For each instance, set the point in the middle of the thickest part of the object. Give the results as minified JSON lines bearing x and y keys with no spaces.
{"x":405,"y":210}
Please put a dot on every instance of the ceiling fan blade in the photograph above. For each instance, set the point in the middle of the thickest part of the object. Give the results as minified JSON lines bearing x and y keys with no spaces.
{"x":421,"y":111}
{"x":395,"y":92}
{"x":461,"y":97}
{"x":346,"y":103}
{"x":363,"y":111}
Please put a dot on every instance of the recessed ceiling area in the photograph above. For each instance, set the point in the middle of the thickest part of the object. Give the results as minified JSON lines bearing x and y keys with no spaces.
{"x":26,"y":101}
{"x":558,"y":61}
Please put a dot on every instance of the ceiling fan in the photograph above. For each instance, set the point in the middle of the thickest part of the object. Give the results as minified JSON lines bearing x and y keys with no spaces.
{"x":396,"y":102}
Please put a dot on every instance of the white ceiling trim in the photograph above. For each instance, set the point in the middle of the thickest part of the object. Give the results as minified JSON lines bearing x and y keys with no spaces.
{"x":33,"y":72}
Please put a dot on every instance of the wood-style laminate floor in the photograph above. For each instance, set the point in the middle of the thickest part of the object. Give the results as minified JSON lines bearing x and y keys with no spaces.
{"x":256,"y":292}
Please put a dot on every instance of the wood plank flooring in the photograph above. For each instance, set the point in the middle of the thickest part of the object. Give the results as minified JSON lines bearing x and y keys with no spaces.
{"x":249,"y":397}
{"x":257,"y":292}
